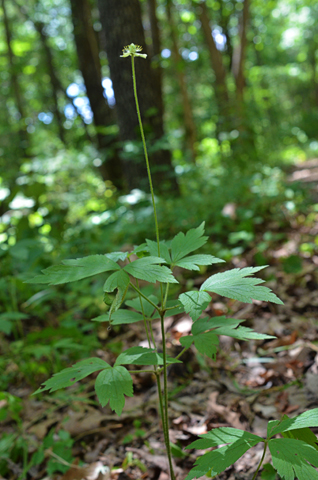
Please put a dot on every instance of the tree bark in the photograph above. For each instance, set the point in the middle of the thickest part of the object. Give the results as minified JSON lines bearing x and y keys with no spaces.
{"x":190,"y":130}
{"x":239,"y":54}
{"x":88,"y":57}
{"x":22,"y":132}
{"x":122,"y":25}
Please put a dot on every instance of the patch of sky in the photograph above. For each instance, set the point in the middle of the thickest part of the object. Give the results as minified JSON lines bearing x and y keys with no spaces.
{"x":133,"y":197}
{"x":20,"y":201}
{"x":45,"y":117}
{"x":219,"y":38}
{"x":166,"y":53}
{"x":73,"y":90}
{"x":109,"y":91}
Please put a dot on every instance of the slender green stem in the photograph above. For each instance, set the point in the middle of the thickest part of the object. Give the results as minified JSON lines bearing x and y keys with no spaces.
{"x":260,"y":463}
{"x":165,"y":392}
{"x":142,"y":371}
{"x":144,"y":296}
{"x":143,"y":314}
{"x":145,"y":152}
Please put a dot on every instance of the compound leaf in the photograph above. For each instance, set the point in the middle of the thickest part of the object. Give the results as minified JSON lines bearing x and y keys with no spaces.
{"x":142,"y":356}
{"x":116,"y":256}
{"x":164,"y":250}
{"x":306,"y":419}
{"x":146,"y":306}
{"x":146,"y":269}
{"x":194,"y":303}
{"x":234,"y":284}
{"x":290,"y":459}
{"x":69,"y":376}
{"x":112,"y":385}
{"x":218,"y":460}
{"x":304,"y":434}
{"x":183,"y":244}
{"x":119,"y":279}
{"x":76,"y":269}
{"x":193,"y":262}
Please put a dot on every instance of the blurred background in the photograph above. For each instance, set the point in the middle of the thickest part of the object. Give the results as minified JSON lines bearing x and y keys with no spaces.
{"x":229,"y":100}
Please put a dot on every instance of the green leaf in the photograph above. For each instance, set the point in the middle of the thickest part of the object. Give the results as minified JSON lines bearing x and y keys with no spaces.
{"x":142,"y":356}
{"x":147,"y":307}
{"x":304,"y":434}
{"x":116,"y":256}
{"x":182,"y":244}
{"x":306,"y":419}
{"x":122,"y":317}
{"x":164,"y":250}
{"x":194,"y":303}
{"x":111,"y":385}
{"x":205,"y":333}
{"x":268,"y":473}
{"x":291,"y":457}
{"x":145,"y":269}
{"x":218,"y":460}
{"x":234,"y":284}
{"x":119,"y":279}
{"x":193,"y":262}
{"x":69,"y":376}
{"x":77,"y":269}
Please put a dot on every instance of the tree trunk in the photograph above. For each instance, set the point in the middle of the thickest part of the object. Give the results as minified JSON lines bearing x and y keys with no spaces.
{"x":240,"y":53}
{"x":155,"y":47}
{"x":88,"y":57}
{"x":22,"y":132}
{"x":122,"y":25}
{"x":190,"y":130}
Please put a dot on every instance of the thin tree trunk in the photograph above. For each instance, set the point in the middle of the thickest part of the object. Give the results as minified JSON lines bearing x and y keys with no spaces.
{"x":22,"y":132}
{"x":190,"y":130}
{"x":155,"y":47}
{"x":122,"y":25}
{"x":239,"y":54}
{"x":88,"y":57}
{"x":54,"y":80}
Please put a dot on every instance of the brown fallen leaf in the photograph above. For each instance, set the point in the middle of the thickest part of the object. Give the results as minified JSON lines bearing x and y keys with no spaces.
{"x":94,"y":471}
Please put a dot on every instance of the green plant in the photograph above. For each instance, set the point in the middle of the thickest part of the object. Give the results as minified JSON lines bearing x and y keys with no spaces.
{"x":155,"y":264}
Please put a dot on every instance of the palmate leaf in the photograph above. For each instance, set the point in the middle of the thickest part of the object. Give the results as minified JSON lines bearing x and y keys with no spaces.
{"x":193,"y":261}
{"x":218,"y":460}
{"x":290,"y":459}
{"x":237,"y":285}
{"x":69,"y":376}
{"x":146,"y":268}
{"x":142,"y":356}
{"x":304,"y":420}
{"x":77,"y":269}
{"x":164,"y":250}
{"x":194,"y":303}
{"x":183,"y":244}
{"x":205,"y":333}
{"x":112,"y":385}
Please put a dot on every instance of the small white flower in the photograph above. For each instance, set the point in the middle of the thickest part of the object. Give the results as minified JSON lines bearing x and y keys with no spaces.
{"x":132,"y":51}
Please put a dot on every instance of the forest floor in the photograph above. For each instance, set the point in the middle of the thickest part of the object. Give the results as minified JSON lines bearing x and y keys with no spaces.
{"x":248,"y":384}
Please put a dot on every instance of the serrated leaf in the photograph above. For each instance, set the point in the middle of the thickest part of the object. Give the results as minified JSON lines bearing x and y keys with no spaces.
{"x":234,"y":284}
{"x":120,"y":317}
{"x":187,"y":341}
{"x":146,"y":306}
{"x":304,"y":434}
{"x":112,"y":385}
{"x":116,"y":256}
{"x":69,"y":376}
{"x":193,"y":262}
{"x":142,"y":356}
{"x":306,"y":419}
{"x":218,"y":460}
{"x":183,"y":244}
{"x":146,"y":269}
{"x":206,"y":343}
{"x":119,"y":279}
{"x":290,"y":459}
{"x":268,"y":473}
{"x":77,"y":269}
{"x":194,"y":303}
{"x":164,"y":250}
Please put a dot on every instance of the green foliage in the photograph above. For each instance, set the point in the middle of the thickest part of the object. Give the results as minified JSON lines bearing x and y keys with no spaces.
{"x":291,"y":456}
